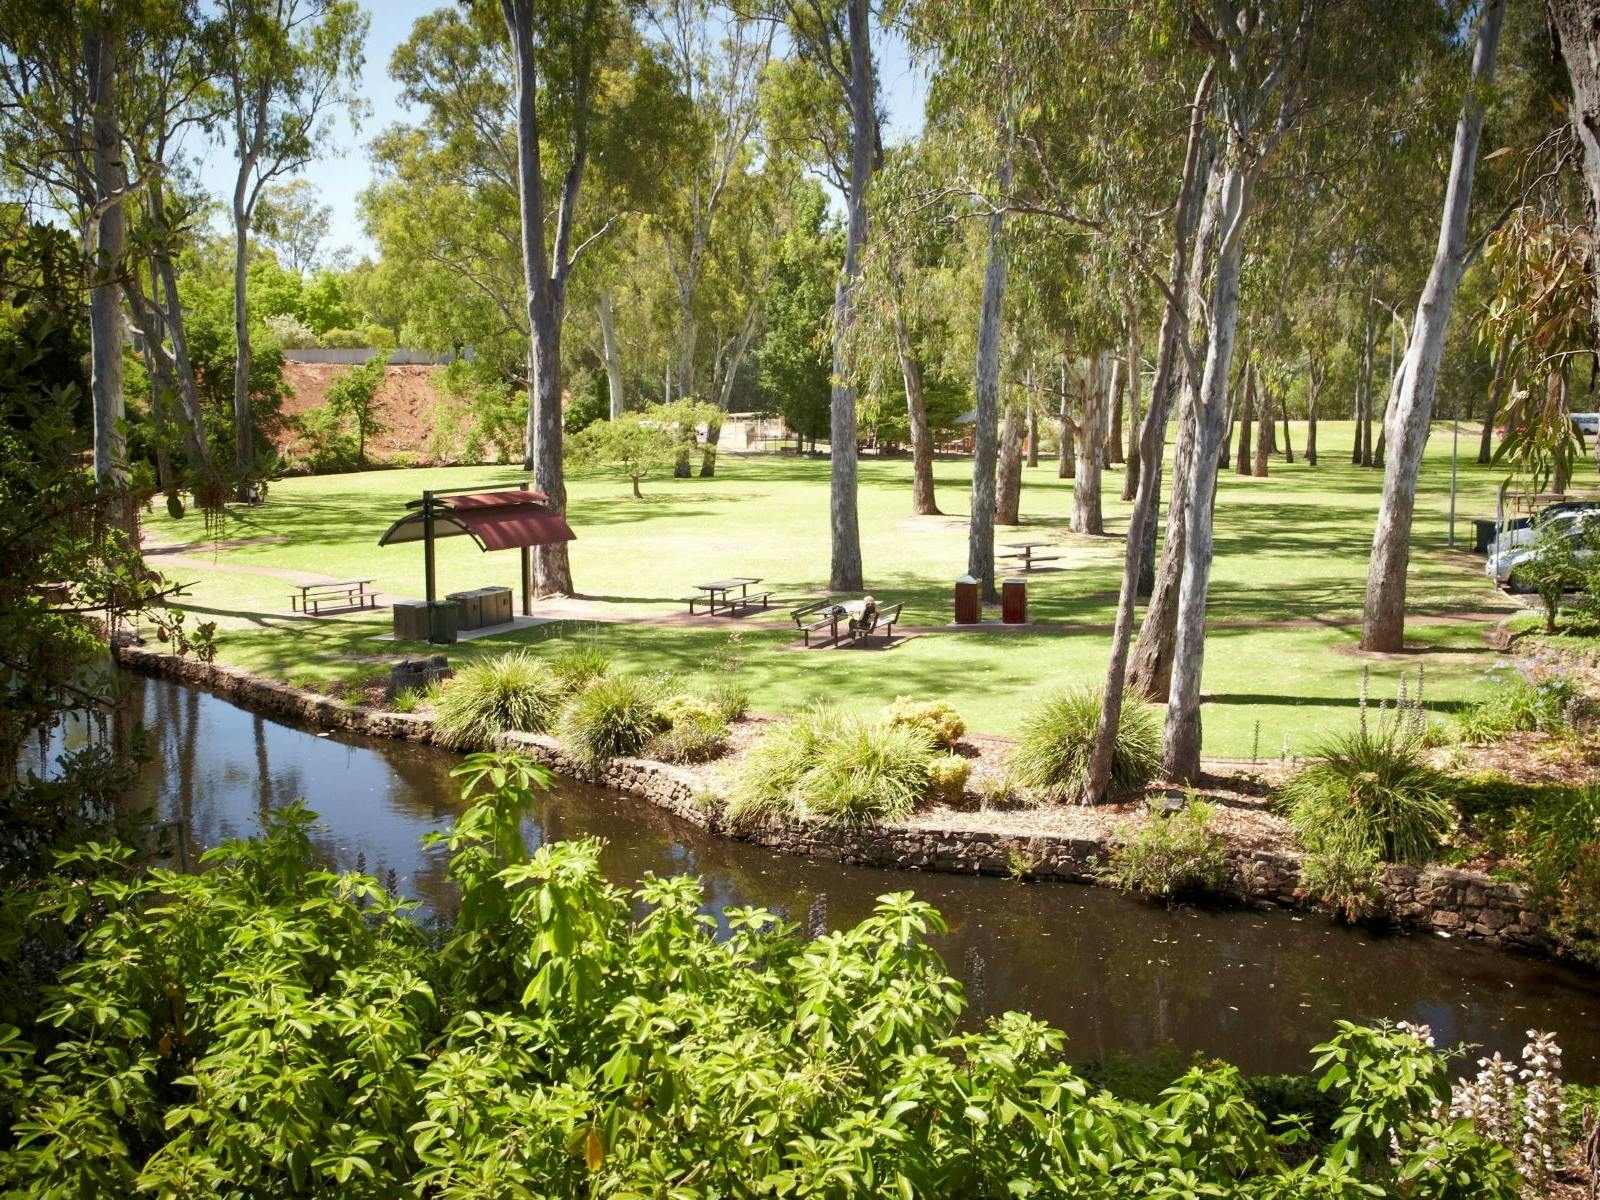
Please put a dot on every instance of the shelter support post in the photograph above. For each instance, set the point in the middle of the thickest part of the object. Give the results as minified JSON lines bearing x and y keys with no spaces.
{"x":527,"y":581}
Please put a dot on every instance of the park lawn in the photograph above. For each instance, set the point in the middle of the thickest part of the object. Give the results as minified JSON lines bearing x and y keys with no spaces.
{"x":1290,"y":548}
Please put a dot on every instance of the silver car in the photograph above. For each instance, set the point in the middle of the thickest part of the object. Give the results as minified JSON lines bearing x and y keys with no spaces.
{"x":1515,"y":546}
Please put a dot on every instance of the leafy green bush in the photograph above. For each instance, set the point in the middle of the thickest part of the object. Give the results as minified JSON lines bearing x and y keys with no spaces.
{"x":695,"y":731}
{"x":1371,"y":791}
{"x":576,"y":667}
{"x":1052,"y":754}
{"x":1169,"y":856}
{"x":614,"y":717}
{"x":328,"y":445}
{"x":947,"y":779}
{"x":485,"y":699}
{"x":266,"y":1027}
{"x":940,"y":720}
{"x":1518,"y":706}
{"x":730,"y":697}
{"x":830,"y":764}
{"x":1341,"y":877}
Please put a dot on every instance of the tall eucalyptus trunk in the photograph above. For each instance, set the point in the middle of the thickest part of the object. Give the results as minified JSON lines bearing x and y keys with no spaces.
{"x":1114,"y":452}
{"x":1130,"y":478}
{"x":610,"y":354}
{"x":1033,"y":431}
{"x":106,"y":238}
{"x":244,"y":442}
{"x":1008,"y":470}
{"x":1383,"y":618}
{"x":1263,"y":404}
{"x":1247,"y":406}
{"x":922,"y":500}
{"x":1181,"y":748}
{"x":845,"y":574}
{"x":1152,"y":438}
{"x":1496,"y":397}
{"x":1288,"y":444}
{"x":985,"y":449}
{"x":1577,"y":30}
{"x":1086,"y":510}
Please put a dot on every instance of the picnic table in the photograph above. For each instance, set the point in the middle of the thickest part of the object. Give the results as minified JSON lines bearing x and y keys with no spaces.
{"x":829,"y":615}
{"x":720,"y":593}
{"x":1025,"y":556}
{"x":346,"y":593}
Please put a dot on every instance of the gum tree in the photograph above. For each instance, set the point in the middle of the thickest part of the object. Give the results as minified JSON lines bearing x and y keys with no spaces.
{"x":284,"y":67}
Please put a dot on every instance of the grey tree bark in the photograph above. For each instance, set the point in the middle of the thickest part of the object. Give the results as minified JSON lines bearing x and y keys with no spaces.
{"x":1247,"y":407}
{"x":1181,"y":745}
{"x":1008,"y":470}
{"x":1135,"y":372}
{"x":610,"y":353}
{"x":1152,"y":438}
{"x":1067,"y":432}
{"x":1033,"y":431}
{"x":1263,"y":405}
{"x":980,"y":534}
{"x":1577,"y":29}
{"x":1496,"y":397}
{"x":922,"y":499}
{"x":1383,"y":618}
{"x":1086,"y":511}
{"x":1114,"y":452}
{"x":1288,"y":444}
{"x":545,"y":279}
{"x":107,"y":243}
{"x":845,"y":573}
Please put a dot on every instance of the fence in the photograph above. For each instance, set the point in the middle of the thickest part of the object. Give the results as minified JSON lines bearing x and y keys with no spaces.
{"x":360,"y":357}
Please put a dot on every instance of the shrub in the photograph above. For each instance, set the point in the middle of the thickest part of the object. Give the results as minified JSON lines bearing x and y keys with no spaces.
{"x":730,"y":698}
{"x":695,"y":731}
{"x":328,"y":444}
{"x":613,"y":717}
{"x":1518,"y":706}
{"x":1342,"y":878}
{"x":576,"y":667}
{"x":829,"y":764}
{"x":1372,"y":791}
{"x":941,"y":721}
{"x":947,"y":779}
{"x":1052,"y":755}
{"x":407,"y":700}
{"x":485,"y":699}
{"x":1169,"y":857}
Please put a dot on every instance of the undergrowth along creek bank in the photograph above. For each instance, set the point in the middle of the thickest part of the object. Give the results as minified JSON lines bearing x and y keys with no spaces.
{"x":1445,"y":899}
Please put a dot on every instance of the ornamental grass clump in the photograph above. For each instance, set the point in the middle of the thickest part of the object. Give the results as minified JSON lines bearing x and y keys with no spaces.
{"x":1371,"y":791}
{"x":485,"y":699}
{"x":833,"y":765}
{"x":1519,"y":706}
{"x":695,"y":732}
{"x":578,"y":666}
{"x":1052,"y":755}
{"x":613,"y":717}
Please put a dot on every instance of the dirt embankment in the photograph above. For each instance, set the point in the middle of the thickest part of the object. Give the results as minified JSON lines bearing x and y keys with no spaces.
{"x":403,"y":404}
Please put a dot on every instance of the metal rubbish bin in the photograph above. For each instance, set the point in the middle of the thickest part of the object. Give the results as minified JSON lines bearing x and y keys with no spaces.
{"x":1014,"y":601}
{"x":969,"y":605}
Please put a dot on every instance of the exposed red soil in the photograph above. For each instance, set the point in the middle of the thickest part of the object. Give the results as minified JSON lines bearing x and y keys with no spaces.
{"x":403,"y":404}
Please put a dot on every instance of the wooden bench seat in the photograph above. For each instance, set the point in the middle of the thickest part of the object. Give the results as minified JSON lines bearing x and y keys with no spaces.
{"x":808,"y":610}
{"x":348,"y":593}
{"x":881,"y":619}
{"x":829,"y":622}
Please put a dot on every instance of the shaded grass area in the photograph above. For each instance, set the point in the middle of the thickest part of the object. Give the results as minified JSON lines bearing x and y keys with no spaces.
{"x":1290,"y":548}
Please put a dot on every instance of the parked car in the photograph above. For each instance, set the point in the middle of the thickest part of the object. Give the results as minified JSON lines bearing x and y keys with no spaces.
{"x":1578,"y":521}
{"x":1586,"y":424}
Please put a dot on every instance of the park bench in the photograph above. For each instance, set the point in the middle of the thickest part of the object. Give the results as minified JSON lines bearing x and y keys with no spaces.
{"x":346,"y":593}
{"x":805,"y":613}
{"x":879,"y":619}
{"x":829,"y":617}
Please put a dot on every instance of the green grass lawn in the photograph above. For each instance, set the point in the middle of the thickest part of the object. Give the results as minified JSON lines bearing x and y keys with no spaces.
{"x":1291,"y":547}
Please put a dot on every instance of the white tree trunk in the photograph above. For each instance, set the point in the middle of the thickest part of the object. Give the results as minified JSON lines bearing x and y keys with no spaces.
{"x":1406,"y":429}
{"x":1008,"y":468}
{"x":1086,"y":511}
{"x":1181,"y":748}
{"x":985,"y":439}
{"x":608,"y":349}
{"x":107,"y":243}
{"x":845,"y":572}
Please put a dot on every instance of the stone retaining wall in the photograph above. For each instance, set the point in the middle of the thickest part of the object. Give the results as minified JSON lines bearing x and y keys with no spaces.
{"x":1444,"y":899}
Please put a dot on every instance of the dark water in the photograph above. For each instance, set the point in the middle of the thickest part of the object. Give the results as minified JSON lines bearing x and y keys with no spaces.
{"x":1116,"y":973}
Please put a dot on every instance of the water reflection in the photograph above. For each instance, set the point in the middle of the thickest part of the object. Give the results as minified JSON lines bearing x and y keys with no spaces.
{"x":1117,"y":974}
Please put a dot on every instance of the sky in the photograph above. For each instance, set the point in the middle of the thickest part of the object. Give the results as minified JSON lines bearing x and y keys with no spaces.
{"x":345,"y":168}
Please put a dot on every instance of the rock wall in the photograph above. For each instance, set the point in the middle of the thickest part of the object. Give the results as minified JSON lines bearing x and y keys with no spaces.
{"x":1443,"y":899}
